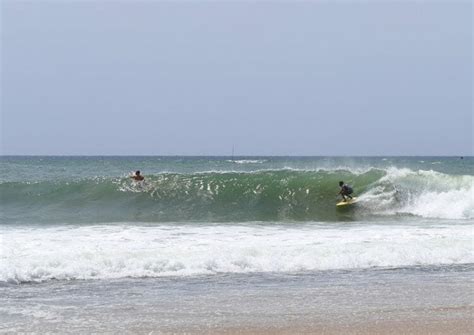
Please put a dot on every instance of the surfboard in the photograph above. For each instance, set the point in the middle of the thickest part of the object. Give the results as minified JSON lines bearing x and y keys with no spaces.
{"x":348,"y":202}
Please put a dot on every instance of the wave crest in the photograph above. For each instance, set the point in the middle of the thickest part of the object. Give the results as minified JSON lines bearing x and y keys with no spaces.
{"x":270,"y":195}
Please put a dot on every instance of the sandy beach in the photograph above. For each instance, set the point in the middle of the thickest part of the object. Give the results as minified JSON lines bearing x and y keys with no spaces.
{"x":420,"y":327}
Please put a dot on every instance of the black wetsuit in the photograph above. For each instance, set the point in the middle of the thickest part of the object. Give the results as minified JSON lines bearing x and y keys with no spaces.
{"x":346,"y":190}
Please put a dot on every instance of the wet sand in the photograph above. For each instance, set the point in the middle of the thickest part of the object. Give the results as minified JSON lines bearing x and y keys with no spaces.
{"x":380,"y":301}
{"x":438,"y":323}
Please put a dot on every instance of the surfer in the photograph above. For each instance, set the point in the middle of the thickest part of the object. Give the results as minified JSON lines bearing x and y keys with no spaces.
{"x":345,"y":191}
{"x":137,"y":176}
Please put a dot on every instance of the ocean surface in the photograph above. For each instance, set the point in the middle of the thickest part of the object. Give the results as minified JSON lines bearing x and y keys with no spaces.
{"x":79,"y":224}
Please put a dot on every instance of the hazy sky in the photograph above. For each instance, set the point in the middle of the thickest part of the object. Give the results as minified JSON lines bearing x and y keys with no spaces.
{"x":273,"y":78}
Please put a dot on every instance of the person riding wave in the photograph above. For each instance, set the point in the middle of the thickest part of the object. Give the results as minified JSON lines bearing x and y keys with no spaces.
{"x":345,"y":191}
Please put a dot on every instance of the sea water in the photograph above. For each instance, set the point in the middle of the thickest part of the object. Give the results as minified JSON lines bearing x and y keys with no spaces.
{"x":211,"y":241}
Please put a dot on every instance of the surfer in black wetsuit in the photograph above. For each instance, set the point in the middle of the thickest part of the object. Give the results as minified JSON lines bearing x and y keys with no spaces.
{"x":345,"y":191}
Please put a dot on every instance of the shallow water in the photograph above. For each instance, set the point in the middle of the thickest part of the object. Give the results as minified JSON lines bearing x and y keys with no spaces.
{"x":260,"y":301}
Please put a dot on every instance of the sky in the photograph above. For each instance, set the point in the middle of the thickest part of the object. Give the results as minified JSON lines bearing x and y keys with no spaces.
{"x":269,"y":78}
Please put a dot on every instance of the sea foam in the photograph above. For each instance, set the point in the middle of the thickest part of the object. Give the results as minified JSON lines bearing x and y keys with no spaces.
{"x":117,"y":251}
{"x":427,"y":194}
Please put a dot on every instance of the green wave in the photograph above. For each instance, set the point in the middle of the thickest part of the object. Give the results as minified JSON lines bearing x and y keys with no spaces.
{"x":272,"y":195}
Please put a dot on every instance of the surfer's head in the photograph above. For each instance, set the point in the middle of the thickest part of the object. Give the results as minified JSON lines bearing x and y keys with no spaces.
{"x":137,"y":173}
{"x":341,"y":183}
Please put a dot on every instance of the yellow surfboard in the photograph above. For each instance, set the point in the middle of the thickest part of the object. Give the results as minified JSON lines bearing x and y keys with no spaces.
{"x":348,"y":202}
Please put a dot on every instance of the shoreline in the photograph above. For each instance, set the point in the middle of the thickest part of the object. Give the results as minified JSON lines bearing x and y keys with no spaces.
{"x":410,"y":326}
{"x":387,"y":301}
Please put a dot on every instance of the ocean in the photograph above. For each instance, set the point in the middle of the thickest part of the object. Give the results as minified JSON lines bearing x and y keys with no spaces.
{"x":210,"y":244}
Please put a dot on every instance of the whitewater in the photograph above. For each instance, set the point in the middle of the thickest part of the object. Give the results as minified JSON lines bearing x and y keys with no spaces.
{"x":83,"y":218}
{"x":110,"y":252}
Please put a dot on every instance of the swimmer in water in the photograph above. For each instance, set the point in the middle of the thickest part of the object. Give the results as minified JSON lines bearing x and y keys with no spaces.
{"x":137,"y":176}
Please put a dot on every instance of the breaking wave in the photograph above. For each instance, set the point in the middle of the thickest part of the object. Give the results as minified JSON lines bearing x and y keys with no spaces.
{"x":119,"y":251}
{"x":269,"y":195}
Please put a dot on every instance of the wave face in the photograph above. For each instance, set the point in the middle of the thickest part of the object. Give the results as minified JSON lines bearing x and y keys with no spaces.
{"x":263,"y":195}
{"x":119,"y":251}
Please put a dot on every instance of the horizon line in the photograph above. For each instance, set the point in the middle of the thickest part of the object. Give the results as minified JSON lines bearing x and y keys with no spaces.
{"x":187,"y":155}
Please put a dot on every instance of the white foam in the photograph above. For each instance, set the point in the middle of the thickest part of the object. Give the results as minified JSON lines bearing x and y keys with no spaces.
{"x":428,"y":194}
{"x":101,"y":252}
{"x":456,"y":204}
{"x":249,"y":161}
